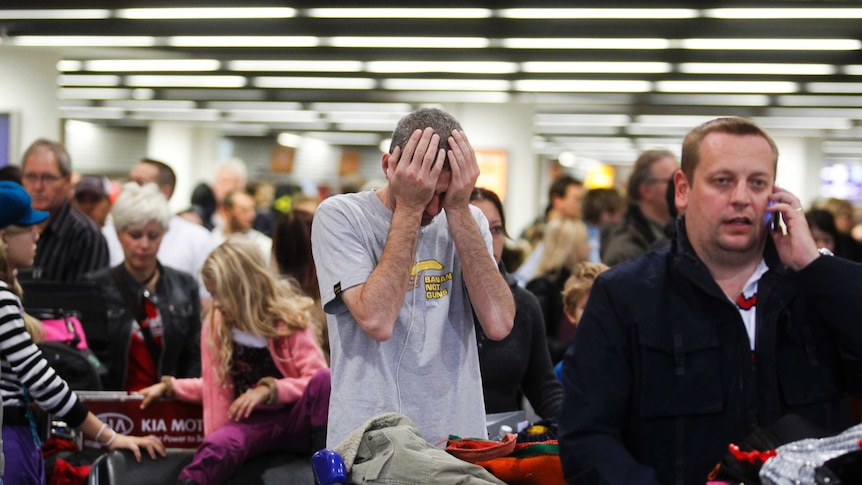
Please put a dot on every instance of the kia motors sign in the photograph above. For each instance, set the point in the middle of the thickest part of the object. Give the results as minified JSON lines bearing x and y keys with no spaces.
{"x":178,"y":424}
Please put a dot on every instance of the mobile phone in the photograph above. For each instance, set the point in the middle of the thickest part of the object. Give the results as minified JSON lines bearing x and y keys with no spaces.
{"x":775,"y":221}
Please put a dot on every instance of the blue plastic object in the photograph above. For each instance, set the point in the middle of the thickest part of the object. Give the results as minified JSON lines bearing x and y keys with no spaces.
{"x":328,"y":468}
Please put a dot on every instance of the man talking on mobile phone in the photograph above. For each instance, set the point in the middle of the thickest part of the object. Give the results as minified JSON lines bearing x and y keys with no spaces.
{"x":686,"y":349}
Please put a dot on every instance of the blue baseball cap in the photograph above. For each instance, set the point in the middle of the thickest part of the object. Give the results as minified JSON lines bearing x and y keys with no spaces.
{"x":15,"y":207}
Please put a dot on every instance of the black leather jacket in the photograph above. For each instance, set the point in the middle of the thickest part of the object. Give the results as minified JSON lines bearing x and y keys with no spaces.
{"x":179,"y":307}
{"x":661,"y":376}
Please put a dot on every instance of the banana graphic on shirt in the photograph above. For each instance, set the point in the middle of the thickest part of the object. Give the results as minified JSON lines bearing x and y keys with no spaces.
{"x":418,"y":268}
{"x":421,"y":266}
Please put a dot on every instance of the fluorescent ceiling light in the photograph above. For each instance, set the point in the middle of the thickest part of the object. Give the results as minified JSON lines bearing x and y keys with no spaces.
{"x":59,"y":14}
{"x":813,"y":112}
{"x":451,"y":96}
{"x":709,"y":99}
{"x":88,"y":80}
{"x":824,"y":88}
{"x":399,"y":13}
{"x":426,"y":42}
{"x":555,"y":119}
{"x":340,"y":138}
{"x":172,"y":13}
{"x":854,"y":70}
{"x":469,"y":67}
{"x":95,"y":93}
{"x":597,"y":13}
{"x":679,"y":121}
{"x":726,"y":87}
{"x":145,"y":80}
{"x":137,"y":104}
{"x":585,"y":43}
{"x":83,"y":40}
{"x":110,"y":65}
{"x":257,"y":115}
{"x":229,"y":41}
{"x":92,"y":113}
{"x":783,"y":13}
{"x":446,"y":84}
{"x":563,"y":86}
{"x":756,"y":68}
{"x":808,"y":122}
{"x":771,"y":44}
{"x":296,"y":66}
{"x":403,"y":108}
{"x":253,"y":105}
{"x":385,"y":126}
{"x":584,"y":129}
{"x":69,"y":65}
{"x":362,"y":116}
{"x":596,"y":67}
{"x":176,"y":115}
{"x":314,"y":82}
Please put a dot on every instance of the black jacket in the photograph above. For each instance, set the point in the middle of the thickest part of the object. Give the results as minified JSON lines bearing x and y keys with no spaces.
{"x":630,"y":238}
{"x":179,"y":307}
{"x":548,"y":289}
{"x":519,"y":363}
{"x":661,"y":377}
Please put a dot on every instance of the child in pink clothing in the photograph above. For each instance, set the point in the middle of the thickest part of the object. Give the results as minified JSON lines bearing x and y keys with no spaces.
{"x":264,"y":383}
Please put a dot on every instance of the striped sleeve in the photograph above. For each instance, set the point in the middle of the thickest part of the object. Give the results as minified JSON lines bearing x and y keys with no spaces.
{"x":22,"y":365}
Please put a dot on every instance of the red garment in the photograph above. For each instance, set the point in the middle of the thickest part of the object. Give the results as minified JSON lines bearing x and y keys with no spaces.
{"x":66,"y":474}
{"x":142,"y":371}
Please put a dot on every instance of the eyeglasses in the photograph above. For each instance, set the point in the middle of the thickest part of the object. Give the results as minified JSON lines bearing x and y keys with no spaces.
{"x":45,"y":178}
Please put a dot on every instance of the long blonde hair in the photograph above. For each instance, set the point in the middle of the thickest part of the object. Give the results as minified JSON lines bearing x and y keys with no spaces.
{"x":7,"y":274}
{"x":565,"y":245}
{"x":251,"y":298}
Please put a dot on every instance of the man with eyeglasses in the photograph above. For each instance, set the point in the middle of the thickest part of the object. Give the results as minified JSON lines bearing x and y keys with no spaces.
{"x":70,"y":244}
{"x":648,"y":212}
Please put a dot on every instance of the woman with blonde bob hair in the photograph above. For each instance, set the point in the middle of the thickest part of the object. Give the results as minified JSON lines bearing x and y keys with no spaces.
{"x":566,"y":243}
{"x":265,"y":385}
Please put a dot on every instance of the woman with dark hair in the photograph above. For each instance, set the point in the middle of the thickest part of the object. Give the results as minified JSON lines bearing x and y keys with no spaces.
{"x":291,"y":252}
{"x":822,"y":225}
{"x":520,"y":363}
{"x":204,"y":204}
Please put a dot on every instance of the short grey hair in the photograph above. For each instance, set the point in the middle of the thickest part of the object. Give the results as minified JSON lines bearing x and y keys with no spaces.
{"x":440,"y":121}
{"x":140,"y":204}
{"x":64,"y":161}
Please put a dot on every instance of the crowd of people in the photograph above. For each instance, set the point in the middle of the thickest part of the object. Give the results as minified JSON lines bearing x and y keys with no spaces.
{"x":654,"y":327}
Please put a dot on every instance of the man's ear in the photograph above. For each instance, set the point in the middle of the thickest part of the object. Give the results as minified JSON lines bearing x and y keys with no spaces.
{"x":387,"y":169}
{"x":680,"y":192}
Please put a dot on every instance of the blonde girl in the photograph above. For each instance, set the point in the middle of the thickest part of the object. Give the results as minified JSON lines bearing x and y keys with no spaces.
{"x":264,"y":383}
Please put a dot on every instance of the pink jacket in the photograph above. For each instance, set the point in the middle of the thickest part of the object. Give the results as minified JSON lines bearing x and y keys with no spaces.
{"x":297,"y":357}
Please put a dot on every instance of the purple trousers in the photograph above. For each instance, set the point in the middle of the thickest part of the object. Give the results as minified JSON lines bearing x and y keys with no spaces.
{"x":288,"y":429}
{"x":24,"y":465}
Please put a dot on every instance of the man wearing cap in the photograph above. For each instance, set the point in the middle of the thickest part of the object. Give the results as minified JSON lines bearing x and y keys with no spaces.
{"x":92,"y":196}
{"x":70,"y":244}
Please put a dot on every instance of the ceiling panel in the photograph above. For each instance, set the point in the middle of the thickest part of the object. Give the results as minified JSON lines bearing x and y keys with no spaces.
{"x":795,"y":66}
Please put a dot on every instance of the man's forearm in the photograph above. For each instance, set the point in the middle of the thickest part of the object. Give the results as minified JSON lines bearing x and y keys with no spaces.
{"x":376,"y":303}
{"x":490,"y":296}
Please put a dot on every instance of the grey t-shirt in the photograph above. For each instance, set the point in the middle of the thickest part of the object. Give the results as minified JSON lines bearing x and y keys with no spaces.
{"x":429,"y":369}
